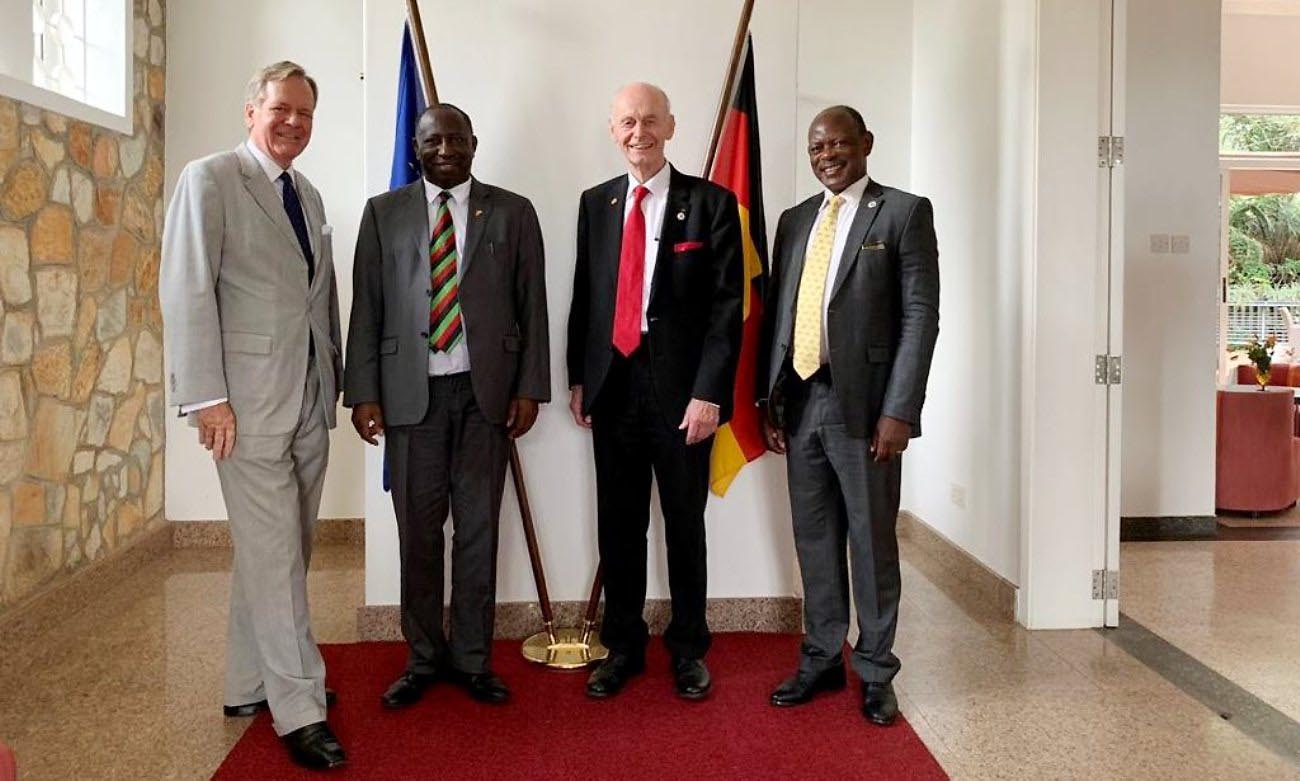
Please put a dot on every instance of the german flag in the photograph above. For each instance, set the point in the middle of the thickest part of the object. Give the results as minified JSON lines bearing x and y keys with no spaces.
{"x":737,"y":168}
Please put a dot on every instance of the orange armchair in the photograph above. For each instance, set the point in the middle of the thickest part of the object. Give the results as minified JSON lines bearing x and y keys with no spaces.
{"x":1257,"y":455}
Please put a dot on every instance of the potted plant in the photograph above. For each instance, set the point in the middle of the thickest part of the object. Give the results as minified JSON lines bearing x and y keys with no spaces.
{"x":1260,"y":354}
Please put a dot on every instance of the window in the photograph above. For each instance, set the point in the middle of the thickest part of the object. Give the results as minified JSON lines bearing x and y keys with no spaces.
{"x":1259,"y":133}
{"x":69,"y":56}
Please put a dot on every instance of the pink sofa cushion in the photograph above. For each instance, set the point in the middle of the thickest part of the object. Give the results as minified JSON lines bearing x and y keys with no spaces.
{"x":8,"y":764}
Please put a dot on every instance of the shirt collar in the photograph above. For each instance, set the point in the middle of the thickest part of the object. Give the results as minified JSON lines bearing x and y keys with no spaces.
{"x":269,"y":166}
{"x":459,"y":193}
{"x":852,"y":194}
{"x":657,"y":184}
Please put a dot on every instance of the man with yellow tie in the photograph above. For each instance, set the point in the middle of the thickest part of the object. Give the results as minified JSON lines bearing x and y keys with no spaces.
{"x":850,"y":325}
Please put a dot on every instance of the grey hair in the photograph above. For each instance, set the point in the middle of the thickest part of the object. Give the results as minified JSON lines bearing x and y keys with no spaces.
{"x":279,"y":71}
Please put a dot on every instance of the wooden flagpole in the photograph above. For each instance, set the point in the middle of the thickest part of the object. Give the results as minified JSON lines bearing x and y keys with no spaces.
{"x":421,"y":51}
{"x":728,"y":84}
{"x":566,"y":648}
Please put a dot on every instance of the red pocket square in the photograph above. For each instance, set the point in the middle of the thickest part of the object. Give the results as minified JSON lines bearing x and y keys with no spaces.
{"x":687,"y":246}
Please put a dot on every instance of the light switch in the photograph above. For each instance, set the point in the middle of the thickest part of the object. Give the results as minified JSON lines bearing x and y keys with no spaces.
{"x":1159,"y":243}
{"x":1180,"y":244}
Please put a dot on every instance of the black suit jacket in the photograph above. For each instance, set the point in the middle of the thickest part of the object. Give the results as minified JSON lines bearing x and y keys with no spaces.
{"x":696,"y":295}
{"x":883,"y":317}
{"x":502,"y":303}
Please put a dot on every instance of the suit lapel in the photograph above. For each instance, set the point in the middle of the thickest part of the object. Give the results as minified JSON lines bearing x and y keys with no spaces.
{"x":415,"y":224}
{"x":608,"y":219}
{"x":478,"y":210}
{"x":676,"y":211}
{"x":793,"y":270}
{"x":264,"y":192}
{"x":872,"y":199}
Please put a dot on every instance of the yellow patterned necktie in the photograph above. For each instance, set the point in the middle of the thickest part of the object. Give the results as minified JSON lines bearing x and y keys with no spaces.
{"x":812,"y":288}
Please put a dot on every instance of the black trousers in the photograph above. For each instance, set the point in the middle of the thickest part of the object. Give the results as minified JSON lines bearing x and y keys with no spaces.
{"x":454,"y":459}
{"x":633,"y":440}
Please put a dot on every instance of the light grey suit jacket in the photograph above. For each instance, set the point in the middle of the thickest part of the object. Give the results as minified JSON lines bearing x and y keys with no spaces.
{"x":883,"y":317}
{"x":502,"y":293}
{"x":237,"y":307}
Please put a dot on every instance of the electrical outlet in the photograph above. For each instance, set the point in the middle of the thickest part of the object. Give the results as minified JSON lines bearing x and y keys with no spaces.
{"x":958,"y":495}
{"x":1180,"y":244}
{"x":1159,"y":243}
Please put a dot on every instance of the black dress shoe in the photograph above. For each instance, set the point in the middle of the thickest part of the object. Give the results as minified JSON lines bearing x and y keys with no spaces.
{"x":253,"y":708}
{"x":804,"y":685}
{"x":407,"y":690}
{"x":879,"y":704}
{"x":613,"y":674}
{"x":315,"y":747}
{"x":692,"y":678}
{"x":484,"y":687}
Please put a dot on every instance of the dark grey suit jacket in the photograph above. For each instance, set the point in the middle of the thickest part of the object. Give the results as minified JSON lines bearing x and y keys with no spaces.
{"x":502,"y":302}
{"x":883,"y":317}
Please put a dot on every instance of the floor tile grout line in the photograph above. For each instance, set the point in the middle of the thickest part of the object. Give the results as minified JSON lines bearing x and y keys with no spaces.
{"x":1263,"y":723}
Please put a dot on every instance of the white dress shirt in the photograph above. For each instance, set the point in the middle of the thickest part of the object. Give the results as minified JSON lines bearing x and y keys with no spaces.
{"x":653,"y":207}
{"x":852,"y":196}
{"x":273,"y":172}
{"x":455,"y":360}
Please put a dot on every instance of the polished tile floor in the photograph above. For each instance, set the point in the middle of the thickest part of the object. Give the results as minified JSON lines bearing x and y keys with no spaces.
{"x":130,"y":687}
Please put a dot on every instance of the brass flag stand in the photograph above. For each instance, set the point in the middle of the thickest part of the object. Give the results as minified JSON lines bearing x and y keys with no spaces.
{"x":566,"y":648}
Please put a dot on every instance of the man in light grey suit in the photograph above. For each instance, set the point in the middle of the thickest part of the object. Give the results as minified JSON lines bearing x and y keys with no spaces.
{"x":250,"y":309}
{"x":448,"y":357}
{"x":850,"y":325}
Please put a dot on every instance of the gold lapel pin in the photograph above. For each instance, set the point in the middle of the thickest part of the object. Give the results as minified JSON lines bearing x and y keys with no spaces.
{"x":613,"y":202}
{"x":478,"y":213}
{"x":871,"y":205}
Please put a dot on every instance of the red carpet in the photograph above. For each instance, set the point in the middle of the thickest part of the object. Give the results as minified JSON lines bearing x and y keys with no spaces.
{"x":550,"y":729}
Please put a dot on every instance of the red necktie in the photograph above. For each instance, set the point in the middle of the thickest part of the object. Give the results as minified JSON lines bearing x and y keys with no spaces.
{"x":631,"y":278}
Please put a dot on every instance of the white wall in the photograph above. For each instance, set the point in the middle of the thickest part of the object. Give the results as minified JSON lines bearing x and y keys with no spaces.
{"x":212,"y":50}
{"x":834,"y":67}
{"x":1170,"y":303}
{"x":1259,"y":57}
{"x":972,"y":73}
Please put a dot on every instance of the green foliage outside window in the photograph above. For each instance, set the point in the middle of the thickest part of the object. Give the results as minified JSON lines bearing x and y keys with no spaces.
{"x":1264,"y":230}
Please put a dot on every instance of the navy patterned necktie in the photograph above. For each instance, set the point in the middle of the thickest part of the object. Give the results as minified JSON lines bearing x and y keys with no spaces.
{"x":293,"y":207}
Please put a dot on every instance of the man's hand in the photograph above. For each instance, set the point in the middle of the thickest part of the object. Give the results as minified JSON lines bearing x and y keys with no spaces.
{"x":700,"y":421}
{"x":217,"y":429}
{"x":890,"y":439}
{"x":575,"y":407}
{"x":368,"y":420}
{"x":773,"y":437}
{"x":523,"y":412}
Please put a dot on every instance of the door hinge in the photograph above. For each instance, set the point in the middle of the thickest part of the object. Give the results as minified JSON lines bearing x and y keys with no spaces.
{"x":1108,"y":370}
{"x":1105,"y":584}
{"x":1110,"y":151}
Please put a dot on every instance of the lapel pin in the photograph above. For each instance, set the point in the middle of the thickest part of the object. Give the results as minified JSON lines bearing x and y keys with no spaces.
{"x":871,"y":205}
{"x":681,"y":215}
{"x":478,"y":213}
{"x":613,"y":202}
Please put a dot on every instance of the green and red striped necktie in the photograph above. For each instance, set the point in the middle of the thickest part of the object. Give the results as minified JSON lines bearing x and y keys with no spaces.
{"x":445,"y":328}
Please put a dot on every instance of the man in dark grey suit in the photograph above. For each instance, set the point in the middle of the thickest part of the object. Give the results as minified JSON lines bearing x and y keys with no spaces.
{"x":251,"y":312}
{"x":851,"y":321}
{"x":448,"y":357}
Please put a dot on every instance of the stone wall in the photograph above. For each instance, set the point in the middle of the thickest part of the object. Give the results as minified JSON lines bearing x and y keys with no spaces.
{"x":81,"y":400}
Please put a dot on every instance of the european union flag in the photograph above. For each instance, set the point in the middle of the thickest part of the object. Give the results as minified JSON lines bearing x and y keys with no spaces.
{"x":410,"y":105}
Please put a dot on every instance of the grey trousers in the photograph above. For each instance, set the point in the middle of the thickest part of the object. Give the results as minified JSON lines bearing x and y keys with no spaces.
{"x":841,"y":500}
{"x":272,"y":487}
{"x":454,"y":459}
